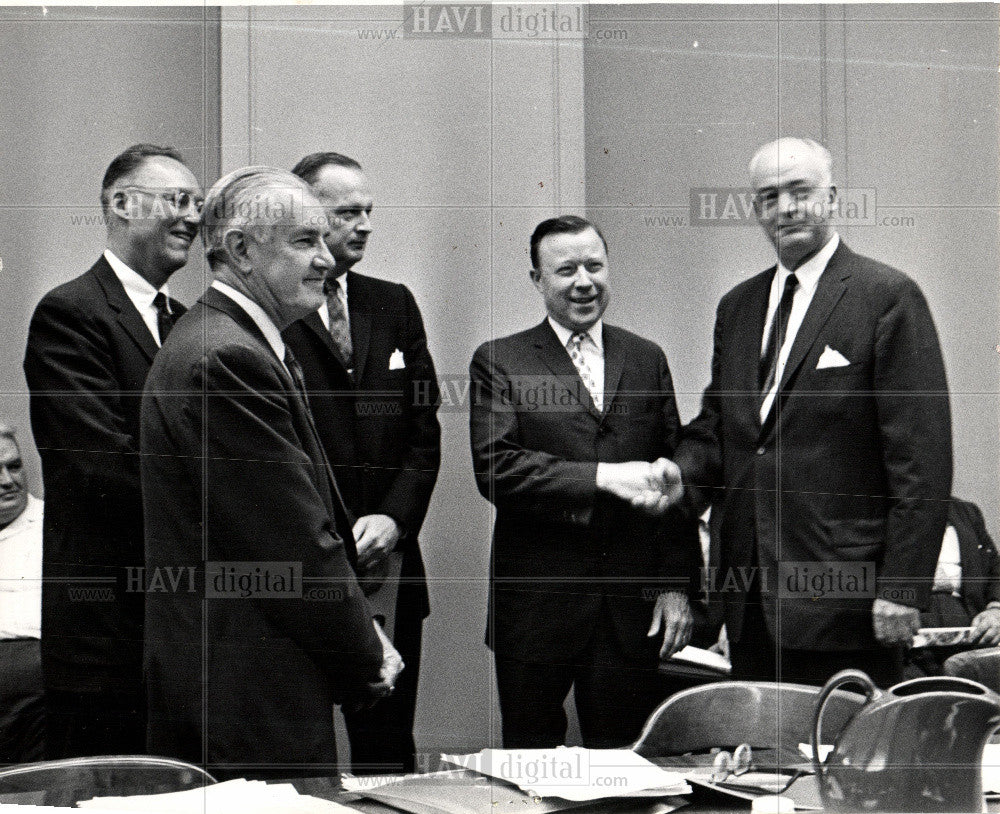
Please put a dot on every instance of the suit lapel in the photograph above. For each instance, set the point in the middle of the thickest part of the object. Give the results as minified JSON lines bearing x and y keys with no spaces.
{"x":748,"y":335}
{"x":554,"y":356}
{"x":314,"y":323}
{"x":614,"y":364}
{"x":125,"y":311}
{"x":829,"y":290}
{"x":359,"y":309}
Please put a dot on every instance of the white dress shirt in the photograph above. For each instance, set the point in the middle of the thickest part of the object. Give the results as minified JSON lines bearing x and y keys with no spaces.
{"x":21,"y":574}
{"x":948,"y":574}
{"x":258,"y":315}
{"x":324,"y":309}
{"x":808,"y":275}
{"x":592,"y":349}
{"x":139,"y":291}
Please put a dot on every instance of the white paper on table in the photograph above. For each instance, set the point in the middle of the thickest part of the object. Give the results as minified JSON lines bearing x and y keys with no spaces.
{"x":703,"y":658}
{"x":824,"y":750}
{"x":574,"y":773}
{"x":991,"y":769}
{"x":231,"y":797}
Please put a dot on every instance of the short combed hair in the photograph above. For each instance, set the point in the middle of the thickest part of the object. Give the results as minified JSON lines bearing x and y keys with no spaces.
{"x":308,"y":168}
{"x":127,"y":161}
{"x":789,"y":145}
{"x":247,"y":199}
{"x":563,"y":225}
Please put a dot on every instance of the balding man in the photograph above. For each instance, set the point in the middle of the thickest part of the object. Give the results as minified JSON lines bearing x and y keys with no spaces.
{"x":266,"y":627}
{"x":827,"y":424}
{"x":90,"y":345}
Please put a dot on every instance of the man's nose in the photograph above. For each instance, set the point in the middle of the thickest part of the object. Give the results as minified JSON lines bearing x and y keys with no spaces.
{"x":5,"y":477}
{"x":364,"y":223}
{"x":323,"y":258}
{"x":582,"y":278}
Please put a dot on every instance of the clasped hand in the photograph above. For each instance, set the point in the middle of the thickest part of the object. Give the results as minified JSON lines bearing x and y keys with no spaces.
{"x":650,"y":487}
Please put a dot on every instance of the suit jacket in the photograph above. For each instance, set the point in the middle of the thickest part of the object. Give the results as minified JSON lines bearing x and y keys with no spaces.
{"x":980,"y":560}
{"x":232,"y":472}
{"x":561,"y":550}
{"x":852,"y":465}
{"x":380,"y":428}
{"x":86,"y":361}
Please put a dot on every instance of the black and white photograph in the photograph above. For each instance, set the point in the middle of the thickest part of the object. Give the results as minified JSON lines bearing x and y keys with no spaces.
{"x":471,"y":407}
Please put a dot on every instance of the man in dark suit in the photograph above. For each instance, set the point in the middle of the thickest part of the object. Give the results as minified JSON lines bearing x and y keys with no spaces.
{"x":374,"y":395}
{"x":247,"y":657}
{"x":826,"y":424}
{"x":90,"y":345}
{"x":570,"y":422}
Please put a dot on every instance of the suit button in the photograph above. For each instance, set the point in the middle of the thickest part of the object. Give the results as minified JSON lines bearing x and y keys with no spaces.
{"x":761,"y":450}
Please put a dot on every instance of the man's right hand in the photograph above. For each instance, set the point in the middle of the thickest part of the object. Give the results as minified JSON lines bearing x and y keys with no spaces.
{"x":650,"y":487}
{"x":392,"y":666}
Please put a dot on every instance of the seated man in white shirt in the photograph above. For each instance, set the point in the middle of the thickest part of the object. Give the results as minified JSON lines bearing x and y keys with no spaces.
{"x":22,"y":717}
{"x":966,"y":590}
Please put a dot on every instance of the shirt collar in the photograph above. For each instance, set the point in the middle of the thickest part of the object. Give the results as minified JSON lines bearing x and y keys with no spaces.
{"x":808,"y":273}
{"x":258,"y":315}
{"x":32,"y":514}
{"x":136,"y":286}
{"x":595,"y":332}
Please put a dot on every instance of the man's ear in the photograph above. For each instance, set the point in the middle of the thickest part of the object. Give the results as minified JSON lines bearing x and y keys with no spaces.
{"x":238,"y":249}
{"x":535,"y":276}
{"x":125,"y":206}
{"x":832,"y":198}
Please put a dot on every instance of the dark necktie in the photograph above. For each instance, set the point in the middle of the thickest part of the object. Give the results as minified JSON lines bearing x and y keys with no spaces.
{"x":340,"y":328}
{"x":768,"y":366}
{"x":164,"y":316}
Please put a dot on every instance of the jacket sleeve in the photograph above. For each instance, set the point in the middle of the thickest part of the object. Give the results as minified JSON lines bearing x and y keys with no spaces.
{"x":914,"y":420}
{"x":76,"y":403}
{"x":409,"y":494}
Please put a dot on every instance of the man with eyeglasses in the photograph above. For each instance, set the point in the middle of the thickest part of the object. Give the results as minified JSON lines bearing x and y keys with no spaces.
{"x":827,"y":426}
{"x":90,"y":345}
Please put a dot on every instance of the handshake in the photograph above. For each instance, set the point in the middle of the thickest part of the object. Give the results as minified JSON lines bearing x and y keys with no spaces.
{"x":650,"y":487}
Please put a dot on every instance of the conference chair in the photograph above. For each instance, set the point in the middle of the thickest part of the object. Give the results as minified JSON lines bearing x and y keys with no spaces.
{"x":65,"y":782}
{"x":979,"y":665}
{"x":765,"y":715}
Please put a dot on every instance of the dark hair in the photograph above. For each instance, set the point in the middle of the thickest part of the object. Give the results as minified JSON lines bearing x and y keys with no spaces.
{"x":128,"y":160}
{"x":563,"y":225}
{"x":308,"y":168}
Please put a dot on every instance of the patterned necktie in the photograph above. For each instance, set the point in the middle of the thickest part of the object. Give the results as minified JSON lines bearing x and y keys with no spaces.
{"x":575,"y":348}
{"x":164,"y":316}
{"x":768,"y":366}
{"x":340,"y":328}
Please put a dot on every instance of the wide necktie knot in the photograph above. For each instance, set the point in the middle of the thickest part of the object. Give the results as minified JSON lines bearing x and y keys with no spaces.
{"x":575,"y":348}
{"x":164,"y":316}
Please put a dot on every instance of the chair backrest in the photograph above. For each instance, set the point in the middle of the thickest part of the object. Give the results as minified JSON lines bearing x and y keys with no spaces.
{"x":760,"y":713}
{"x":64,"y":782}
{"x":979,"y":665}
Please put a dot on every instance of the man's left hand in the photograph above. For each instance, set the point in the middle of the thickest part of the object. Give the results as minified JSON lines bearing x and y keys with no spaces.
{"x":672,"y":612}
{"x":376,"y":536}
{"x":894,"y":624}
{"x":986,"y":627}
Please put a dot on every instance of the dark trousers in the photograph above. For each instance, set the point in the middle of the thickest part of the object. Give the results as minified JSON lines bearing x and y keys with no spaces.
{"x":614,"y":695}
{"x":111,"y":721}
{"x":22,"y":702}
{"x":755,"y":657}
{"x":382,"y":737}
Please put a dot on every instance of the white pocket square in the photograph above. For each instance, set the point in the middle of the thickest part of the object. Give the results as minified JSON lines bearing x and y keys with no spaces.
{"x":831,"y":358}
{"x":396,"y":361}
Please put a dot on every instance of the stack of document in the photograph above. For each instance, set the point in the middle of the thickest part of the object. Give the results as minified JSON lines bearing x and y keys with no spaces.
{"x":574,"y":773}
{"x":242,"y":796}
